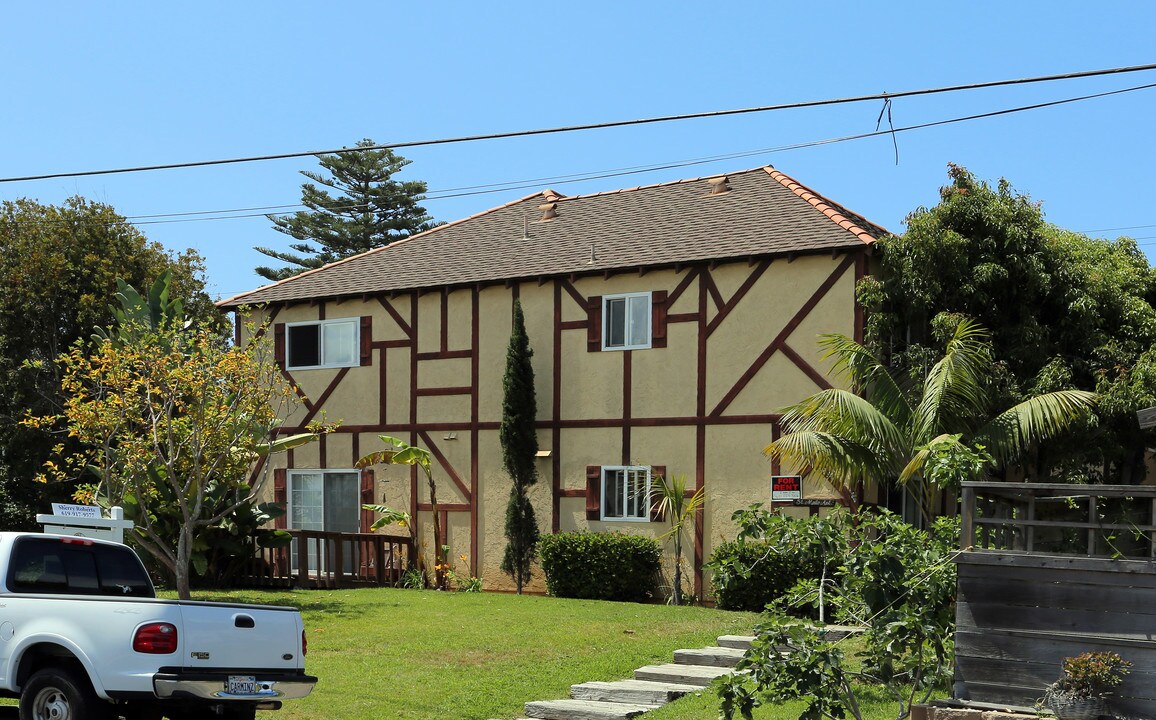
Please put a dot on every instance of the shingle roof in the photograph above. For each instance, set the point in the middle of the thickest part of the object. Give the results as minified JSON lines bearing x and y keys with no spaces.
{"x":764,"y":213}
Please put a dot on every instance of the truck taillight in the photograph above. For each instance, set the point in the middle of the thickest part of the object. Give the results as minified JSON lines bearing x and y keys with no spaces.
{"x":304,"y":644}
{"x":155,"y":639}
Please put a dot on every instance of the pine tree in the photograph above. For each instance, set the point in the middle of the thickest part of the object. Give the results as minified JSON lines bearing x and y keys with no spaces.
{"x":519,"y":449}
{"x":369,"y":210}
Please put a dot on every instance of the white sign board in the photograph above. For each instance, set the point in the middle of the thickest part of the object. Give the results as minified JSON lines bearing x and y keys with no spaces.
{"x":85,"y":521}
{"x":76,"y":511}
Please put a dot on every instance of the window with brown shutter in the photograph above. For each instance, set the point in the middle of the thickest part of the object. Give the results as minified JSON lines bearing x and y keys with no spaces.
{"x":367,"y":487}
{"x":593,"y":492}
{"x":281,"y":497}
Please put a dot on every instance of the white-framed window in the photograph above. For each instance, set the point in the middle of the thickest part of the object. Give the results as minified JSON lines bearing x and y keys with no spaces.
{"x":626,"y":321}
{"x":327,"y":500}
{"x":626,"y":493}
{"x":323,"y":344}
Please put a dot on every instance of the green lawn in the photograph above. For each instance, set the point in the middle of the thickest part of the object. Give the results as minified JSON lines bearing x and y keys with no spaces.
{"x":422,"y":654}
{"x":386,"y":653}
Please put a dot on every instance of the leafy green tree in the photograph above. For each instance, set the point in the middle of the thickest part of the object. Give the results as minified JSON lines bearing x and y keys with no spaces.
{"x":1064,"y":311}
{"x":170,"y":421}
{"x":894,"y":580}
{"x":368,"y":209}
{"x":519,"y":438}
{"x":917,"y":433}
{"x":59,"y":266}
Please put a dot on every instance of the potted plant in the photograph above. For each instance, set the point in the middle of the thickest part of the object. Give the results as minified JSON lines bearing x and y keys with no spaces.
{"x":1079,"y":693}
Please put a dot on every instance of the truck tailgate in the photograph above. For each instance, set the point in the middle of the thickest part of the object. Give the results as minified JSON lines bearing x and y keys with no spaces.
{"x":222,"y":635}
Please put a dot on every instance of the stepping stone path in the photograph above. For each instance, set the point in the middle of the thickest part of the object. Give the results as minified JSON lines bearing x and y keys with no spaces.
{"x":653,"y":685}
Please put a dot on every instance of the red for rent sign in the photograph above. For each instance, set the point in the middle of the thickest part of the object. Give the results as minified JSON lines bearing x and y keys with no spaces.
{"x":786,"y":487}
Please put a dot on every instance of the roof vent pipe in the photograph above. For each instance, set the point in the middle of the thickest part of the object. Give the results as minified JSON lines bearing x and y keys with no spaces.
{"x":549,"y":211}
{"x":719,"y":185}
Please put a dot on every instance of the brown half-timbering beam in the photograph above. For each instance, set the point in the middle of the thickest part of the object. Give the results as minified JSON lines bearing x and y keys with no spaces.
{"x":446,"y":465}
{"x":322,"y":451}
{"x":681,"y":317}
{"x":397,"y":318}
{"x":568,"y":286}
{"x":435,"y":391}
{"x":572,"y":492}
{"x":785,"y":333}
{"x":475,"y":412}
{"x":556,"y":406}
{"x":711,"y":288}
{"x":700,"y":428}
{"x":388,"y":344}
{"x":860,"y":311}
{"x":680,"y":289}
{"x":572,"y":324}
{"x":320,"y":402}
{"x":809,"y":370}
{"x":738,"y":296}
{"x":297,"y":389}
{"x":444,"y":507}
{"x":445,"y":321}
{"x":412,"y":332}
{"x":627,"y":369}
{"x":382,"y":386}
{"x":445,"y":355}
{"x":592,"y":423}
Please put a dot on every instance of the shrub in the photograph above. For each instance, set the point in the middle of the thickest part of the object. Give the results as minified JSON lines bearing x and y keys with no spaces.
{"x":765,"y":575}
{"x":600,"y":566}
{"x":771,"y":555}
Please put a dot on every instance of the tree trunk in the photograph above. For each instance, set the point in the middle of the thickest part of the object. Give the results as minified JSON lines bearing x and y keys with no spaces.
{"x":184,"y":559}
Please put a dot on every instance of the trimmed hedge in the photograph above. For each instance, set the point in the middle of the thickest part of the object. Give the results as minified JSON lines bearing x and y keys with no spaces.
{"x":600,"y":566}
{"x":772,"y":573}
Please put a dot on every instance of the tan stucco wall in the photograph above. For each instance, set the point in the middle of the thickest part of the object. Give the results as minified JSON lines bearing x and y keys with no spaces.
{"x":664,"y":385}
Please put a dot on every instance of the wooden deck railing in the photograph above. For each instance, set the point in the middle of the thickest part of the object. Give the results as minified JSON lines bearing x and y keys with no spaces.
{"x":319,"y":559}
{"x":1113,"y":521}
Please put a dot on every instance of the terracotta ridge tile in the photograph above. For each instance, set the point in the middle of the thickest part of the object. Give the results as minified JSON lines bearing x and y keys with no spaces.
{"x":666,"y":183}
{"x":824,"y":206}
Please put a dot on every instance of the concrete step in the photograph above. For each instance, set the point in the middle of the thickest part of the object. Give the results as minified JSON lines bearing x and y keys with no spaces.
{"x":700,"y":675}
{"x":642,"y":692}
{"x":713,"y":656}
{"x":834,"y":634}
{"x":738,"y":642}
{"x":584,"y":710}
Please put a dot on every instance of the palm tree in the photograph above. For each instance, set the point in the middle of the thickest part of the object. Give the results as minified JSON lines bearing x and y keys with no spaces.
{"x":680,"y":509}
{"x":911,"y":435}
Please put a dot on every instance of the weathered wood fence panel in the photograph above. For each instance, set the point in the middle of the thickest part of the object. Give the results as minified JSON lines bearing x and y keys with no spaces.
{"x":1019,"y":613}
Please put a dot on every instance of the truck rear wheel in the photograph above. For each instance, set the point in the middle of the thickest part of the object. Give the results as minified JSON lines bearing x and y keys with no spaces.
{"x":59,"y":694}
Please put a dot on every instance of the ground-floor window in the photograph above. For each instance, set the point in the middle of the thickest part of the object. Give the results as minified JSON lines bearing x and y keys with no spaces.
{"x":625,"y":492}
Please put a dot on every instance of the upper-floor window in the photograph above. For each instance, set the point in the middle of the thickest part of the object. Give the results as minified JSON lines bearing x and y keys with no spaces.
{"x":323,"y":344}
{"x":626,"y":321}
{"x":625,"y":493}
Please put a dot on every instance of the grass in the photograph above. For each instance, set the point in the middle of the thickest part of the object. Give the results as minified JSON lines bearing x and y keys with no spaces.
{"x":423,"y":654}
{"x":386,"y":653}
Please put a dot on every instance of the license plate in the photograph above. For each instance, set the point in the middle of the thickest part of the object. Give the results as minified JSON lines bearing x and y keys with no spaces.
{"x":241,"y":685}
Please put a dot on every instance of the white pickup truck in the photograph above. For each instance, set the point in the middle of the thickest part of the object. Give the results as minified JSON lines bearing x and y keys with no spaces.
{"x":83,"y":637}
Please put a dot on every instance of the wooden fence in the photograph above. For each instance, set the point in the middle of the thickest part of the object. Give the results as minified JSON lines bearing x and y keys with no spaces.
{"x":317,"y":559}
{"x":1050,"y":571}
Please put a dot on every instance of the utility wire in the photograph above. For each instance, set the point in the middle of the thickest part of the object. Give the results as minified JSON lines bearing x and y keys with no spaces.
{"x":137,"y":220}
{"x":598,"y":126}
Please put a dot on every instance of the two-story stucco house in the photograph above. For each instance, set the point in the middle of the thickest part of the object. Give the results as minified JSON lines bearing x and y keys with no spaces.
{"x":670,"y":323}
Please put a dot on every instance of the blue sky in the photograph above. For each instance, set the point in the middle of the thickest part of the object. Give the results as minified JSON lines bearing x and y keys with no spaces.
{"x":90,"y":86}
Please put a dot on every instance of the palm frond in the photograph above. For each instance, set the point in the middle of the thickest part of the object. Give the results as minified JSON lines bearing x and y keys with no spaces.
{"x":837,"y":459}
{"x":844,"y":414}
{"x":1010,"y":433}
{"x":955,"y":391}
{"x":868,"y":374}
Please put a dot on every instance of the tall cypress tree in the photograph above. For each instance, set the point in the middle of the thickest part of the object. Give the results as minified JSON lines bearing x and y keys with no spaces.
{"x":519,"y":448}
{"x":370,"y":210}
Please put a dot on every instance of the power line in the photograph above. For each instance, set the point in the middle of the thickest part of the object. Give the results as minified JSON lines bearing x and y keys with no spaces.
{"x":139,"y":220}
{"x":597,"y":126}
